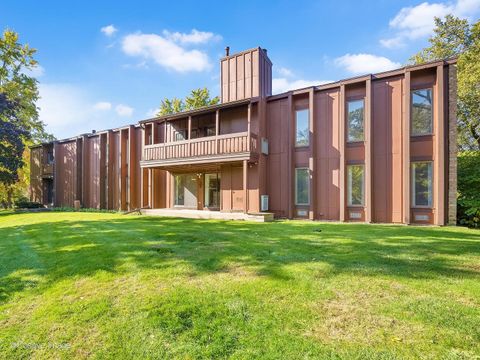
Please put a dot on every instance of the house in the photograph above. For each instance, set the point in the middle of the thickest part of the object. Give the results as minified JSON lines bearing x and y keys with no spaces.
{"x":376,"y":148}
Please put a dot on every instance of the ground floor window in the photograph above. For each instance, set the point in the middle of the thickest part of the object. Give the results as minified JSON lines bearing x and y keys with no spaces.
{"x":185,"y":190}
{"x":302,"y":186}
{"x":212,"y":190}
{"x":422,"y":183}
{"x":355,"y":187}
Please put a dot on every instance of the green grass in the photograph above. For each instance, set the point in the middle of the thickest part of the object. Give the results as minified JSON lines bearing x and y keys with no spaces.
{"x":86,"y":285}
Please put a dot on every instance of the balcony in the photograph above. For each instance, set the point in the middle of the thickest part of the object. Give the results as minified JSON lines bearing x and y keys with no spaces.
{"x":47,"y":170}
{"x":220,"y":148}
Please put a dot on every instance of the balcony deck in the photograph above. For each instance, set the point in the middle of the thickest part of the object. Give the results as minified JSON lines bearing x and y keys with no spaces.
{"x":221,"y":148}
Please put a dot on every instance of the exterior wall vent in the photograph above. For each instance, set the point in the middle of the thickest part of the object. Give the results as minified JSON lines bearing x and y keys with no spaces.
{"x":264,"y":146}
{"x":264,"y":203}
{"x":421,"y":217}
{"x":355,"y":215}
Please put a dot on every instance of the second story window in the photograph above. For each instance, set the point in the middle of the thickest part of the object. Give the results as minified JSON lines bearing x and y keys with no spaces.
{"x":180,"y":135}
{"x":356,"y":110}
{"x":355,"y":185}
{"x":302,"y":130}
{"x":422,"y":114}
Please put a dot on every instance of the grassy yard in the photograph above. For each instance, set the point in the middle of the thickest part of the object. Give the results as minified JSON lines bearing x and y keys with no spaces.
{"x":90,"y":285}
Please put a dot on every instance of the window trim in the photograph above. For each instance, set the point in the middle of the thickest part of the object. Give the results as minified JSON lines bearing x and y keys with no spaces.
{"x":349,"y":188}
{"x":296,"y":186}
{"x":297,"y":145}
{"x":411,"y":112}
{"x":353,"y":99}
{"x":412,"y":185}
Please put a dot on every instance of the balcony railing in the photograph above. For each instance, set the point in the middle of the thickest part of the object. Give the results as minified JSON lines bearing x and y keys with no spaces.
{"x":221,"y":146}
{"x":47,"y":169}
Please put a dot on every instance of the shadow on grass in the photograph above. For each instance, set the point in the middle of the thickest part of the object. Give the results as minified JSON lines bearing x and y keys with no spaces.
{"x":56,"y":250}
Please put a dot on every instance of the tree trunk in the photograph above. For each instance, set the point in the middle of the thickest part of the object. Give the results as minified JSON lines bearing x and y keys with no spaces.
{"x":9,"y":197}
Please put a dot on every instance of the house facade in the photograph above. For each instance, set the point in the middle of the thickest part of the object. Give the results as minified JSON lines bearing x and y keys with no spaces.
{"x":377,"y":148}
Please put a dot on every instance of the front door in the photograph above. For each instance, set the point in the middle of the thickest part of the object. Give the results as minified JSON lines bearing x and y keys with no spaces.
{"x":212,"y":191}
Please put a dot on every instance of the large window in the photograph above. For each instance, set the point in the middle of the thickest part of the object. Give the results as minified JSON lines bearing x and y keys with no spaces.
{"x":422,"y":184}
{"x":422,"y":114}
{"x":212,"y":190}
{"x":355,"y":186}
{"x":356,"y":111}
{"x":301,"y":127}
{"x":302,"y":186}
{"x":185,"y":190}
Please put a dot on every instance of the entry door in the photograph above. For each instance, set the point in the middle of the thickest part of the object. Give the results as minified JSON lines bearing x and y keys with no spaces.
{"x":212,"y":191}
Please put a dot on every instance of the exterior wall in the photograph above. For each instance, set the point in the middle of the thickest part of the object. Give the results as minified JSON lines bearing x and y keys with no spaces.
{"x":104,"y":170}
{"x":36,"y":190}
{"x":245,"y":75}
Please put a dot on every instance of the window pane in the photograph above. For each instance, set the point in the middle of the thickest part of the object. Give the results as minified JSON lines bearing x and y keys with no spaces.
{"x":355,"y":120}
{"x":422,"y":183}
{"x":355,"y":185}
{"x":179,"y":190}
{"x":422,"y":111}
{"x":302,"y":128}
{"x":302,"y":187}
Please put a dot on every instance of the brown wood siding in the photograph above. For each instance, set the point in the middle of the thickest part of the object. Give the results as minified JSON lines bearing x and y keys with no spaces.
{"x":66,"y":173}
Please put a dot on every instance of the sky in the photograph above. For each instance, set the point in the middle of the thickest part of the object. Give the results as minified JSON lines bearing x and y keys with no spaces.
{"x":104,"y":64}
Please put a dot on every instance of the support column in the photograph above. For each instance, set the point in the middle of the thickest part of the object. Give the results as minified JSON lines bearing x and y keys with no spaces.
{"x":217,"y":124}
{"x":150,"y":188}
{"x":132,"y":176}
{"x":245,"y":186}
{"x":341,"y":128}
{"x":406,"y":149}
{"x":452,"y":144}
{"x":311,"y":161}
{"x":290,"y":156}
{"x":249,"y":118}
{"x":439,"y":151}
{"x":368,"y":152}
{"x":189,"y":135}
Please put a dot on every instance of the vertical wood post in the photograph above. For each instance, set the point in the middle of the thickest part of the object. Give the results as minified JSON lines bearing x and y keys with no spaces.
{"x":439,"y":157}
{"x":406,"y":149}
{"x":189,"y":150}
{"x":245,"y":186}
{"x":368,"y":151}
{"x":311,"y":161}
{"x":291,"y":155}
{"x":249,"y":119}
{"x":150,"y":188}
{"x":217,"y":124}
{"x":342,"y":152}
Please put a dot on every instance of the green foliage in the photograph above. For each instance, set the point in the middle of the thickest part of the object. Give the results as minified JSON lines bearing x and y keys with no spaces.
{"x":24,"y":203}
{"x":469,"y":188}
{"x":456,"y":37}
{"x":198,"y":98}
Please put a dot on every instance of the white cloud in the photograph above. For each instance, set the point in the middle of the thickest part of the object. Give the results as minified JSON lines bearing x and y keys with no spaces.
{"x":36,"y":71}
{"x":285,"y":72}
{"x":69,"y":110}
{"x":194,"y":37}
{"x":109,"y":30}
{"x":165,"y":52}
{"x":102,"y":105}
{"x":280,"y":85}
{"x":152,"y":113}
{"x":416,"y":22}
{"x":124,"y":110}
{"x":365,"y":63}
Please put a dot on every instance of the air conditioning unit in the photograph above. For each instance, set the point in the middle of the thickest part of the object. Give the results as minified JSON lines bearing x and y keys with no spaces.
{"x":264,"y":203}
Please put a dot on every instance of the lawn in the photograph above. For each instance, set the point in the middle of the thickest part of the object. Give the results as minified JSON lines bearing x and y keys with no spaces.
{"x":99,"y":285}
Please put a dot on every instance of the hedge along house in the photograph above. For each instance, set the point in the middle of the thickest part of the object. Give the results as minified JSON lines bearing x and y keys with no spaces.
{"x":376,"y":148}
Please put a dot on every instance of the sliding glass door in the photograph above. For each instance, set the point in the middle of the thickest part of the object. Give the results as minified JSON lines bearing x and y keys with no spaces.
{"x":186,"y":191}
{"x":212,"y":191}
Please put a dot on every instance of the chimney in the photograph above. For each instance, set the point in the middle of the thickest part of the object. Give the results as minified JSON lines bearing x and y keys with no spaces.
{"x":94,"y":131}
{"x":245,"y":75}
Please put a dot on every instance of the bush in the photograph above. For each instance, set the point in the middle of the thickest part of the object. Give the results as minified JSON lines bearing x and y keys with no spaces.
{"x":468,"y":202}
{"x":27,"y":204}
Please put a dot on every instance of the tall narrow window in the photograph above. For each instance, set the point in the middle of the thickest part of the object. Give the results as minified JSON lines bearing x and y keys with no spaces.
{"x":355,"y":187}
{"x":422,"y":114}
{"x":301,"y":127}
{"x":356,"y":111}
{"x":302,"y":186}
{"x":422,"y":183}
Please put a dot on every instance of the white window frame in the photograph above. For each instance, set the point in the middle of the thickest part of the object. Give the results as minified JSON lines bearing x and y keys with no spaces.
{"x":296,"y":128}
{"x":349,"y":186}
{"x":296,"y":186}
{"x":430,"y":185}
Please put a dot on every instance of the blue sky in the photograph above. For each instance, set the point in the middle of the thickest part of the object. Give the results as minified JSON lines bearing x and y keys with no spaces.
{"x":109,"y":63}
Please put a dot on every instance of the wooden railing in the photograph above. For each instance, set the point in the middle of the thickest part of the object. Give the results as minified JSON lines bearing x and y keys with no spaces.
{"x":228,"y":144}
{"x":47,"y":169}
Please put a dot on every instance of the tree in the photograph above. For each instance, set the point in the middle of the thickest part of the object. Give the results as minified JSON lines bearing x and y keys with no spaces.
{"x":19,"y":123}
{"x":454,"y":37}
{"x":197,"y":98}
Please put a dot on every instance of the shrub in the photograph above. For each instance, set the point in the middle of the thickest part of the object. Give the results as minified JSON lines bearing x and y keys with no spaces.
{"x":27,"y":204}
{"x":468,"y":202}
